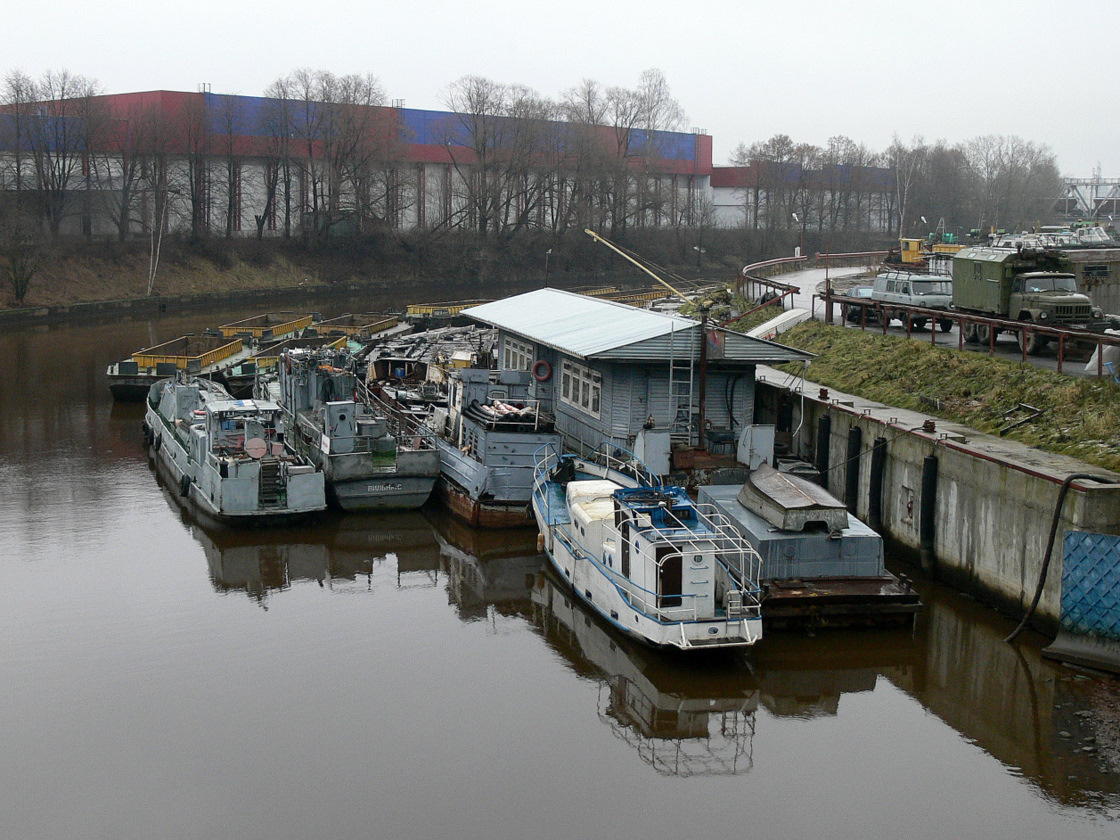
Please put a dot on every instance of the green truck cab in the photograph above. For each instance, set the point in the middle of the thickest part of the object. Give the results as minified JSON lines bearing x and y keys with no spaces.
{"x":1036,"y":286}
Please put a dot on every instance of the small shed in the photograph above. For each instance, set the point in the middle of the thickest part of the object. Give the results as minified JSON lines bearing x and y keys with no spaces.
{"x":610,"y":372}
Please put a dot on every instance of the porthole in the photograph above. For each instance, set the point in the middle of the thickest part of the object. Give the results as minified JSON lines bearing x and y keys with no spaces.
{"x":697,"y":559}
{"x":713,"y":631}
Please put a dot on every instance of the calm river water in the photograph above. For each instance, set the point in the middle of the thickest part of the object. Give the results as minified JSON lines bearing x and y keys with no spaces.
{"x":403,"y":677}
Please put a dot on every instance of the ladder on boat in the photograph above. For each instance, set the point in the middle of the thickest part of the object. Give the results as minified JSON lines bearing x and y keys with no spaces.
{"x":734,"y":604}
{"x":680,"y":390}
{"x":270,"y":491}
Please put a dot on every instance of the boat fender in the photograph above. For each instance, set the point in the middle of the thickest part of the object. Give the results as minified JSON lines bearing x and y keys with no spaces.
{"x":157,"y":442}
{"x":542,"y":370}
{"x":184,"y":484}
{"x":145,"y":429}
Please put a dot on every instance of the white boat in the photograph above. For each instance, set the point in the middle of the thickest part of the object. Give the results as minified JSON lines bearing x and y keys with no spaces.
{"x":643,"y":555}
{"x":227,"y":456}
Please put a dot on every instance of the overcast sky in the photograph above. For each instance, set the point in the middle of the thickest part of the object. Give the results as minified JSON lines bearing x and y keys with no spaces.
{"x":743,"y":71}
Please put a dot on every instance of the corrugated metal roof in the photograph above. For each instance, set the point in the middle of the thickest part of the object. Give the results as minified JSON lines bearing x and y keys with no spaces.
{"x":576,"y":324}
{"x":588,"y":327}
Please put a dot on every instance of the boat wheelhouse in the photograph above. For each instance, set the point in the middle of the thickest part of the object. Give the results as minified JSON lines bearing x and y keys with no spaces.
{"x":373,"y":458}
{"x":488,"y":437}
{"x":652,"y":562}
{"x":228,"y":456}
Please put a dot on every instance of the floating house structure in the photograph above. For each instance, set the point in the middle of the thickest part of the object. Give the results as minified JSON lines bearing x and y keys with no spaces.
{"x":645,"y":381}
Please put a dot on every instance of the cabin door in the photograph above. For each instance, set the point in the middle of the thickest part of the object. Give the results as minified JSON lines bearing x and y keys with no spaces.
{"x":669,"y":579}
{"x":624,"y":547}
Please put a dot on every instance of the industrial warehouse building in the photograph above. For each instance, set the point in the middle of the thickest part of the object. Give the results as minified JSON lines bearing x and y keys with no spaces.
{"x":214,"y":164}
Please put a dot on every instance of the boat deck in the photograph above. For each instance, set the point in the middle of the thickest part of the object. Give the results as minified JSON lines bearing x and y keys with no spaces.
{"x":554,"y":504}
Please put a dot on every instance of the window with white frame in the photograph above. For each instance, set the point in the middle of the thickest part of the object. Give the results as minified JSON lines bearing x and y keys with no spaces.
{"x":581,"y":387}
{"x":516,"y":355}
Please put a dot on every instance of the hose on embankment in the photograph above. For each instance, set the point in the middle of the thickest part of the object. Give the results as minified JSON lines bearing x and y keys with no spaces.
{"x":1050,"y":546}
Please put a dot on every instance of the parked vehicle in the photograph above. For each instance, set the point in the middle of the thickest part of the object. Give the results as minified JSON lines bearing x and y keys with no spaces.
{"x":1031,"y":285}
{"x":854,"y":312}
{"x":911,"y":288}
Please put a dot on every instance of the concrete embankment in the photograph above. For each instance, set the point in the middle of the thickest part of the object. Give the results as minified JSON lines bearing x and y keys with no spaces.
{"x":974,"y":509}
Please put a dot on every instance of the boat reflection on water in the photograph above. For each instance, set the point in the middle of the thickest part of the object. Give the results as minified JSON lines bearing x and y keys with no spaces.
{"x":692,"y":716}
{"x":684,"y":717}
{"x":489,"y":572}
{"x":341,"y":552}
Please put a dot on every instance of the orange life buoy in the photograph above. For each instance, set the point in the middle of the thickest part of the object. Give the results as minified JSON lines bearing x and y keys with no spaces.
{"x":542,"y":370}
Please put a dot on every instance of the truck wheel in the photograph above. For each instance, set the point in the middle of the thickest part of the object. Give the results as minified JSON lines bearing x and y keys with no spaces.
{"x":969,"y":333}
{"x":985,"y":333}
{"x":945,"y":324}
{"x":917,"y":323}
{"x":1031,"y":343}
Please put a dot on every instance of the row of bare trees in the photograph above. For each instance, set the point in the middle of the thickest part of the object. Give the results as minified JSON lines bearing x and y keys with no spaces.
{"x":987,"y":182}
{"x":991,"y":181}
{"x":329,"y":149}
{"x":589,"y":158}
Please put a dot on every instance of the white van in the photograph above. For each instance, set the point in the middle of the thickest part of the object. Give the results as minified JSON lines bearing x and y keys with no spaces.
{"x":909,"y":288}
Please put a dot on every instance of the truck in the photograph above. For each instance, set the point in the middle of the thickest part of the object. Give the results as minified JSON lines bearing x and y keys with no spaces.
{"x":1031,"y":285}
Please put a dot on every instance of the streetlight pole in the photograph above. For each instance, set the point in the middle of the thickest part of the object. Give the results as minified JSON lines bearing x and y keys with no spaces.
{"x":547,"y":254}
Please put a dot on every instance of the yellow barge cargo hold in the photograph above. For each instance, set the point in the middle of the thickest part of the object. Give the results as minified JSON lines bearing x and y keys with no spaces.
{"x":205,"y":355}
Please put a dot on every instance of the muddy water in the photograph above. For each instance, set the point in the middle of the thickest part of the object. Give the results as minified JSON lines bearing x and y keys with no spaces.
{"x":400,"y":676}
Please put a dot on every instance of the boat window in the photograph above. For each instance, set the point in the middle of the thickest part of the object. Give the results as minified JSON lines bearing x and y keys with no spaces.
{"x":585,"y":390}
{"x":517,"y":355}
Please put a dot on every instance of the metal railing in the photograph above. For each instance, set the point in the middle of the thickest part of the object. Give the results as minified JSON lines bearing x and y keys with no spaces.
{"x":737,"y":563}
{"x":400,"y":424}
{"x":876,"y":314}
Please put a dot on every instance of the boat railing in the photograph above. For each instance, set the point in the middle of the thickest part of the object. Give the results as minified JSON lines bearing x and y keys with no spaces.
{"x":618,"y":459}
{"x":545,"y":459}
{"x":405,"y":427}
{"x":738,"y":559}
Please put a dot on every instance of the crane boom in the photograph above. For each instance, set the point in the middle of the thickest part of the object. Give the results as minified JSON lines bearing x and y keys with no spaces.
{"x":623,"y":254}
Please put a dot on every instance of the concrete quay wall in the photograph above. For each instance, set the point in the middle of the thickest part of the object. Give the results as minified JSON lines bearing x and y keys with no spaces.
{"x":993,"y":501}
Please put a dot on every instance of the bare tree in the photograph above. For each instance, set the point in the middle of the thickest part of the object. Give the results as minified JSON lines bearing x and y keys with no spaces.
{"x":20,"y":248}
{"x":117,"y":161}
{"x":58,"y":139}
{"x":195,"y":136}
{"x":278,"y":128}
{"x":905,"y":162}
{"x":19,"y":97}
{"x":227,"y":118}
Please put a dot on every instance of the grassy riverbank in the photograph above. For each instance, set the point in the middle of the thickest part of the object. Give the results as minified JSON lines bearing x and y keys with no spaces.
{"x":1079,"y":416}
{"x":73,"y":271}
